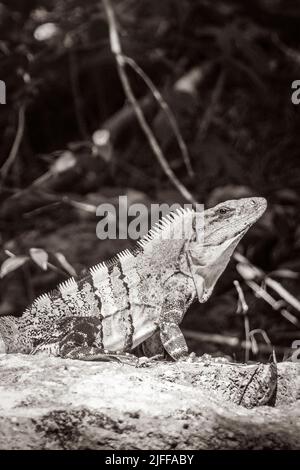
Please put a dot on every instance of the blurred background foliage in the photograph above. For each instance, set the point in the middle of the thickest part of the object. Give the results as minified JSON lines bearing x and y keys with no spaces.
{"x":70,"y":141}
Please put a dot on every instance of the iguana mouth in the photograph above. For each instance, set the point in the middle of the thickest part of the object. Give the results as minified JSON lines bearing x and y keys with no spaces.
{"x":240,"y":233}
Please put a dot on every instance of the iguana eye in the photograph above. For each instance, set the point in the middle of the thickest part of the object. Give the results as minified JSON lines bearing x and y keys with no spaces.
{"x":223,"y":211}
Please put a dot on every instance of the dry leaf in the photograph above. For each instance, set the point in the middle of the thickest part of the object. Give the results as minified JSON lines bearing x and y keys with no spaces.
{"x":40,"y":257}
{"x":11,"y":264}
{"x":246,"y":271}
{"x":65,"y":264}
{"x":66,"y":161}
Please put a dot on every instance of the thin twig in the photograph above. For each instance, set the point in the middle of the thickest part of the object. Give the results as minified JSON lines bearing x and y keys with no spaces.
{"x":275,"y":304}
{"x":189,"y":82}
{"x":121,"y":62}
{"x":257,"y":273}
{"x":287,"y":296}
{"x":247,"y":337}
{"x":243,"y":308}
{"x":17,"y":142}
{"x":49,"y":265}
{"x":248,"y":383}
{"x":254,"y":342}
{"x":168,"y":112}
{"x":288,"y":51}
{"x":208,"y":115}
{"x":76,"y":95}
{"x":232,"y":342}
{"x":57,"y":270}
{"x":251,"y":74}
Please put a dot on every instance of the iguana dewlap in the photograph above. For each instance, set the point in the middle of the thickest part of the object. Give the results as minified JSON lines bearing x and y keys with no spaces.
{"x":121,"y":303}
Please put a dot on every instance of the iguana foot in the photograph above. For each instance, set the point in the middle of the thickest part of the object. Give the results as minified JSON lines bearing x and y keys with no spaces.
{"x":216,"y":359}
{"x":147,"y":361}
{"x":91,"y":353}
{"x":188,"y":358}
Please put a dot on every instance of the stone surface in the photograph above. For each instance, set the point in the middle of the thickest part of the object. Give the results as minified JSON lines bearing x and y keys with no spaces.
{"x":52,"y":403}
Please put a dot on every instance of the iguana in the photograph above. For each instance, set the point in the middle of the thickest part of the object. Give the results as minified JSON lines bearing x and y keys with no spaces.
{"x":140,"y":293}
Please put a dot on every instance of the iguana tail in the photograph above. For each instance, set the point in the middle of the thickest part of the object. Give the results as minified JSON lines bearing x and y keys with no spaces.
{"x":10,"y":338}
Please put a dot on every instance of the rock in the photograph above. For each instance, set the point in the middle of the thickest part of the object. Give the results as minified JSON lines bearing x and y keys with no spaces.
{"x":53,"y":403}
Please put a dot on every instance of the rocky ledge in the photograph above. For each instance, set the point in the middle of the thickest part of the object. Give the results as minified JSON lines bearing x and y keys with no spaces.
{"x":52,"y":403}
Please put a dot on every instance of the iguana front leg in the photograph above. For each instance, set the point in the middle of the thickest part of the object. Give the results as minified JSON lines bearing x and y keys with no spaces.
{"x":172,"y":312}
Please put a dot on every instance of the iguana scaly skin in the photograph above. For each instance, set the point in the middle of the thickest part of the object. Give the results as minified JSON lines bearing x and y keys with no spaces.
{"x":139,"y":294}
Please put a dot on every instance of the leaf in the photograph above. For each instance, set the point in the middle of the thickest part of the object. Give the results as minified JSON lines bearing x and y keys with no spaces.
{"x":9,"y":253}
{"x":65,"y":264}
{"x":246,"y":271}
{"x":254,"y":345}
{"x":65,"y":162}
{"x":46,"y":31}
{"x":102,"y":142}
{"x":11,"y":264}
{"x":101,"y":137}
{"x":284,"y":273}
{"x":81,"y":205}
{"x":40,"y":257}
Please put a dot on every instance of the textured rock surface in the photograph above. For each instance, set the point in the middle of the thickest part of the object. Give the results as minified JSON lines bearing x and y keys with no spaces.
{"x":50,"y":403}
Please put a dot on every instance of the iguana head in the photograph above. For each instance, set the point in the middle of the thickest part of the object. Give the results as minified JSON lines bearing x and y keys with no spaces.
{"x":217,"y":232}
{"x":231,"y":219}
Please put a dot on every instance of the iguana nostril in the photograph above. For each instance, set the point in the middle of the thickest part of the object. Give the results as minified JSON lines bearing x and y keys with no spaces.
{"x":253,"y":202}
